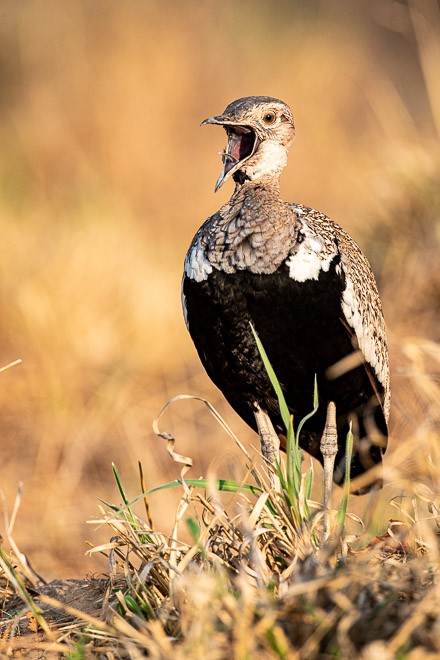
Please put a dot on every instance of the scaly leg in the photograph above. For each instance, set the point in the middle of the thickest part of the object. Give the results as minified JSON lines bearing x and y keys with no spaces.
{"x":270,"y":445}
{"x":329,"y":449}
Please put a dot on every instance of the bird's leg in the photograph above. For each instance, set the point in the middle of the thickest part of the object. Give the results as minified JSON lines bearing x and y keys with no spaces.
{"x":270,"y":445}
{"x":329,"y":449}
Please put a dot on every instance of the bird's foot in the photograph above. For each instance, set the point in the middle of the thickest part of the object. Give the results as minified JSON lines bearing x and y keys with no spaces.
{"x":270,"y":446}
{"x":329,"y":449}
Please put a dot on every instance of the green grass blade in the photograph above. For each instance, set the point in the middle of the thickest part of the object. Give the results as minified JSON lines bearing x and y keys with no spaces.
{"x":194,"y":529}
{"x":297,"y":453}
{"x":133,"y":606}
{"x":219,"y":484}
{"x":131,"y":517}
{"x":145,"y":605}
{"x":315,"y":408}
{"x":290,"y":450}
{"x":307,"y":492}
{"x":308,"y":484}
{"x":292,"y":485}
{"x":285,"y":414}
{"x":119,"y":484}
{"x":285,"y":490}
{"x":296,"y":469}
{"x":294,"y":454}
{"x":342,"y":513}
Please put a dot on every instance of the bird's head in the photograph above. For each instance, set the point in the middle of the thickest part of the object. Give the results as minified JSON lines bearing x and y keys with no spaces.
{"x":260,"y":132}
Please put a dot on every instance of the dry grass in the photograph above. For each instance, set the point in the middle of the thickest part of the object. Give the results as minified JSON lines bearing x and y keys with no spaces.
{"x":105,"y":176}
{"x":256,"y":581}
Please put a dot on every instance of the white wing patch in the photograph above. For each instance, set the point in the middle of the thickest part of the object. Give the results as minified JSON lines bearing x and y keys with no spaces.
{"x":352,"y":312}
{"x":197,"y":266}
{"x":361,"y":307}
{"x":310,"y":258}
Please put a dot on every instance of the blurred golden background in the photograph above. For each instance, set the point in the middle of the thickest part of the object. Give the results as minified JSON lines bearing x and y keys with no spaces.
{"x":105,"y":176}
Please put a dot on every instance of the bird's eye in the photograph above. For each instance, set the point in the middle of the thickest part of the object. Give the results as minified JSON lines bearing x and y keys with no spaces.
{"x":270,"y":118}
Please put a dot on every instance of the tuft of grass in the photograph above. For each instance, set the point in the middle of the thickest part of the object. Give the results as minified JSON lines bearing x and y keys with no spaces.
{"x":244,"y":587}
{"x":296,"y":488}
{"x":291,"y":484}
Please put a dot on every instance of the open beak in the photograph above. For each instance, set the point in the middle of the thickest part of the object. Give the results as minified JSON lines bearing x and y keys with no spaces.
{"x":242,"y":144}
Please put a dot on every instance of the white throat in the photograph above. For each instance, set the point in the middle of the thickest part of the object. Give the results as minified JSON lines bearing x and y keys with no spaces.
{"x":270,"y":159}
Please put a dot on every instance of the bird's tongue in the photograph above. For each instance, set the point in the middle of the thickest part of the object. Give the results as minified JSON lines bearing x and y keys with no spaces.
{"x":240,"y":145}
{"x":232,"y":154}
{"x":242,"y":142}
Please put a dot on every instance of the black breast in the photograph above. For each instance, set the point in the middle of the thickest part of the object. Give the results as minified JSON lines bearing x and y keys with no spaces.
{"x":300,"y":325}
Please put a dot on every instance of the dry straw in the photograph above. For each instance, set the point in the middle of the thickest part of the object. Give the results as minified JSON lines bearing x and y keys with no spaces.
{"x":256,"y":581}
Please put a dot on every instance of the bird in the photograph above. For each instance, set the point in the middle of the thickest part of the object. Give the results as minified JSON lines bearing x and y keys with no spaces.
{"x":307,"y":289}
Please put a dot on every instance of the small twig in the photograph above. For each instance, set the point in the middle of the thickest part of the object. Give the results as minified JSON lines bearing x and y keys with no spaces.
{"x":11,"y":364}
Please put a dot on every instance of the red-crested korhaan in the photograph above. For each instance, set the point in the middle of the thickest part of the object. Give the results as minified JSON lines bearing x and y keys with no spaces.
{"x":309,"y":292}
